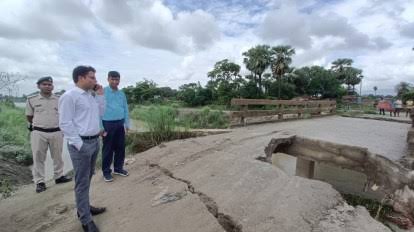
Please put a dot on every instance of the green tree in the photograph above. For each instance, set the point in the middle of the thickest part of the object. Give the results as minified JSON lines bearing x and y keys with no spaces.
{"x":224,"y":71}
{"x":248,"y":89}
{"x":225,"y":81}
{"x":257,"y":60}
{"x":281,"y":59}
{"x":375,"y":90}
{"x":193,"y":94}
{"x":267,"y":82}
{"x":301,"y":79}
{"x":284,"y":90}
{"x":143,"y":91}
{"x":353,"y":77}
{"x":402,"y":88}
{"x":340,"y":67}
{"x":323,"y":83}
{"x":167,"y":92}
{"x":346,"y":74}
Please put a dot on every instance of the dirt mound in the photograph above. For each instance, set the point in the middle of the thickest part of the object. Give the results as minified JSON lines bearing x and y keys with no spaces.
{"x":16,"y":173}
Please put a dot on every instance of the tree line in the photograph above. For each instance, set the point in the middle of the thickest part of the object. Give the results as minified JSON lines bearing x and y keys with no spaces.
{"x":271,"y":76}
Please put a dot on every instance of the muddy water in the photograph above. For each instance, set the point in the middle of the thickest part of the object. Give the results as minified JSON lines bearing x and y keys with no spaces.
{"x":343,"y":180}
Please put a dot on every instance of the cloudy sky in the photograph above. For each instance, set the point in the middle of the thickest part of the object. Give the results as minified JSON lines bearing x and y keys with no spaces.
{"x":174,"y":42}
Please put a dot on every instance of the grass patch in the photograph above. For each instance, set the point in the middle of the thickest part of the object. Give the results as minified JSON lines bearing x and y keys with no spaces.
{"x":375,"y":208}
{"x":205,"y":119}
{"x":164,"y":123}
{"x":14,"y":137}
{"x":142,"y":141}
{"x":161,"y":121}
{"x":6,"y":188}
{"x":355,"y":109}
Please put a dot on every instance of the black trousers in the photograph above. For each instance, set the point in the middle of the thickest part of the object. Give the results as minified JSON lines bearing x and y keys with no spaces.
{"x":113,"y":148}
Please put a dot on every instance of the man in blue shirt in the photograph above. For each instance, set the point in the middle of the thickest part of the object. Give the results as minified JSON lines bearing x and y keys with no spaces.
{"x":115,"y":122}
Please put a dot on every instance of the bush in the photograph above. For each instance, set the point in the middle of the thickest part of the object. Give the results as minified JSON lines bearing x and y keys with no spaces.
{"x":206,"y":118}
{"x":159,"y":120}
{"x":372,"y":206}
{"x":162,"y":120}
{"x":142,"y":141}
{"x":14,"y":139}
{"x":6,"y":188}
{"x":408,"y":96}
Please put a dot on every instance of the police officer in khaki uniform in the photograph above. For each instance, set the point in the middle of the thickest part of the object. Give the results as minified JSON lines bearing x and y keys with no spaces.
{"x":42,"y":114}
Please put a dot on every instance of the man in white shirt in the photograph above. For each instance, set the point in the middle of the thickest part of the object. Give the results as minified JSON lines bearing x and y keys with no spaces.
{"x":80,"y":110}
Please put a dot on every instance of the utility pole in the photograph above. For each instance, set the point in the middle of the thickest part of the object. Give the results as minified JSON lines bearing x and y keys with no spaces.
{"x":360,"y":91}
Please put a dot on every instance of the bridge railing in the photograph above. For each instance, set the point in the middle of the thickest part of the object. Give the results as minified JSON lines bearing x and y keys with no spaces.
{"x":249,"y":113}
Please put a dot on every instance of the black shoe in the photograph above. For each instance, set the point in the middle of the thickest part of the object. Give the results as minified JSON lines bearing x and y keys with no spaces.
{"x":122,"y":173}
{"x":94,"y":210}
{"x":97,"y":210}
{"x":63,"y":179}
{"x":90,"y":227}
{"x":40,"y":187}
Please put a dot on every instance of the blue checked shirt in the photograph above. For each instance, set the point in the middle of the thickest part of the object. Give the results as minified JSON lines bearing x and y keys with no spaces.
{"x":116,"y":106}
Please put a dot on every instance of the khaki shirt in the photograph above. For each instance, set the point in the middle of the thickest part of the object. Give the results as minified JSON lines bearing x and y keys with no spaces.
{"x":44,"y":110}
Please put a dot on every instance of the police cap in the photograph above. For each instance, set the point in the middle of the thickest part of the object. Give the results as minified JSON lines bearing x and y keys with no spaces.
{"x":44,"y":79}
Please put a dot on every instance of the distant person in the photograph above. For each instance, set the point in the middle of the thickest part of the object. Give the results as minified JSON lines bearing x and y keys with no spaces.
{"x":408,"y":107}
{"x":115,"y":123}
{"x":80,"y":110}
{"x":382,"y":105}
{"x":391,"y":106}
{"x":42,"y":115}
{"x":397,"y":107}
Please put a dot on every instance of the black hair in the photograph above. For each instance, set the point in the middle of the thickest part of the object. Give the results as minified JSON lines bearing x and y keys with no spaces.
{"x":113,"y":74}
{"x":81,"y":70}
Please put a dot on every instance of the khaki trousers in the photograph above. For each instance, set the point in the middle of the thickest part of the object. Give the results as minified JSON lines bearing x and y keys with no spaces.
{"x":41,"y":142}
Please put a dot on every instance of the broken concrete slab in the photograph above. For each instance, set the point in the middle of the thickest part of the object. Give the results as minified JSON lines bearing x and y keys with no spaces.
{"x":345,"y":218}
{"x":258,"y":196}
{"x":391,"y":177}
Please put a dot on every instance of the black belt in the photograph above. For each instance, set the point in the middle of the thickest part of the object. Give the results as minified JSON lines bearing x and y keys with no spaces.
{"x":90,"y":137}
{"x":49,"y":130}
{"x":113,"y":121}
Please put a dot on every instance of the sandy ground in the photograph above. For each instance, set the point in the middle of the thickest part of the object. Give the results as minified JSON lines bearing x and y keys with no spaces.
{"x":214,"y":183}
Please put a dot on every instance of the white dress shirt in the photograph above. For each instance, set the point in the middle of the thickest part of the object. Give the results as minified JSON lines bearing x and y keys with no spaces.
{"x":79,"y":115}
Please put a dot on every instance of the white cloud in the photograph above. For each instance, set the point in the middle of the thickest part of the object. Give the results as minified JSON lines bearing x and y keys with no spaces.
{"x":176,"y":42}
{"x":151,"y":24}
{"x":47,"y":20}
{"x":408,"y":30}
{"x":288,"y":25}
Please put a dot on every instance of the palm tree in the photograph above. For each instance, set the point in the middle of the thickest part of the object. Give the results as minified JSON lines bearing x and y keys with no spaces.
{"x":267,"y":82}
{"x":353,"y":77}
{"x":281,"y":59}
{"x":375,"y":90}
{"x":257,"y":60}
{"x":340,"y":67}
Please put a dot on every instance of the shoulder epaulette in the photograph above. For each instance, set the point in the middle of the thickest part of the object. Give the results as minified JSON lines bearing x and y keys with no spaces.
{"x":32,"y":95}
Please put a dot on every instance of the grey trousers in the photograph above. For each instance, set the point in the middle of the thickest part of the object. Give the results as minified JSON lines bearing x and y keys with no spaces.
{"x":84,"y":167}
